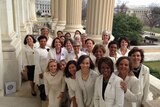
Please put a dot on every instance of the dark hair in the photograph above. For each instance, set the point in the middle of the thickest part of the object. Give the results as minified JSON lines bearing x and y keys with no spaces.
{"x":53,"y":42}
{"x":67,"y":73}
{"x":107,"y":61}
{"x":59,"y":31}
{"x":89,"y":40}
{"x":121,"y":58}
{"x":136,"y":49}
{"x":25,"y":39}
{"x":98,"y":46}
{"x":111,"y":43}
{"x":43,"y":28}
{"x":67,"y":33}
{"x":120,"y":40}
{"x":67,"y":41}
{"x":78,"y":31}
{"x":42,"y":37}
{"x":81,"y":59}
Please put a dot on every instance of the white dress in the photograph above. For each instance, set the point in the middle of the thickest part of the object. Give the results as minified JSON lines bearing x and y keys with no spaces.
{"x":71,"y":84}
{"x":54,"y":85}
{"x":85,"y":89}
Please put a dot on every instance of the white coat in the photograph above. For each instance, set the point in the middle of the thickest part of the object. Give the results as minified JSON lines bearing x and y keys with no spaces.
{"x":72,"y":56}
{"x":52,"y":54}
{"x":71,"y":84}
{"x":28,"y":55}
{"x":85,"y":89}
{"x":113,"y":95}
{"x":144,"y":84}
{"x":132,"y":95}
{"x":41,"y":61}
{"x":54,"y":85}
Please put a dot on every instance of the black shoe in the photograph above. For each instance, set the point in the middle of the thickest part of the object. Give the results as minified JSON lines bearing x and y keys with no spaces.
{"x":34,"y":93}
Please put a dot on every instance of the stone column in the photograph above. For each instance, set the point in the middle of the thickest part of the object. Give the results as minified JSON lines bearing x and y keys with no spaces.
{"x":1,"y":68}
{"x":52,"y":9}
{"x":62,"y":15}
{"x":33,"y":10}
{"x":99,"y":17}
{"x":74,"y":16}
{"x":11,"y":44}
{"x":22,"y":19}
{"x":55,"y":18}
{"x":28,"y":19}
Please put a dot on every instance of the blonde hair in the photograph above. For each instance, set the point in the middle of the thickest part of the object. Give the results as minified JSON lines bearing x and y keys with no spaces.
{"x":50,"y":61}
{"x":106,"y":32}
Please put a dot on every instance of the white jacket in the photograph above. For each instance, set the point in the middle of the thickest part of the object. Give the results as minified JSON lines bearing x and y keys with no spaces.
{"x":113,"y":95}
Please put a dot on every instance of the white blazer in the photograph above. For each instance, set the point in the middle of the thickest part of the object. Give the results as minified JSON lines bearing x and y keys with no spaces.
{"x":132,"y":95}
{"x":72,"y":56}
{"x":71,"y":84}
{"x":113,"y":95}
{"x":144,"y":83}
{"x":85,"y":89}
{"x":52,"y":54}
{"x":28,"y":55}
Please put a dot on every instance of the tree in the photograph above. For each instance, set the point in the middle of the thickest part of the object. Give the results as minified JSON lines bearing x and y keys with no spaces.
{"x":152,"y":18}
{"x":127,"y":26}
{"x":38,"y":13}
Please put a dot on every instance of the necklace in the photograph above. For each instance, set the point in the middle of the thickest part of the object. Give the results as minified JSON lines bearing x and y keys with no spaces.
{"x":53,"y":74}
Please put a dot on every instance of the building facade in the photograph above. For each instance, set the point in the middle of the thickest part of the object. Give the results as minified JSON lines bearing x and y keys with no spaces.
{"x":44,"y":6}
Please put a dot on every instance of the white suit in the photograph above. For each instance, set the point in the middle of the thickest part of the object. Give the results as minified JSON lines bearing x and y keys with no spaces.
{"x":85,"y":89}
{"x":132,"y":95}
{"x":144,"y":84}
{"x":113,"y":95}
{"x":52,"y":54}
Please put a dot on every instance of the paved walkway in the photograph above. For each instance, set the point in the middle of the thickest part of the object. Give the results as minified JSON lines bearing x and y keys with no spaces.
{"x":22,"y":98}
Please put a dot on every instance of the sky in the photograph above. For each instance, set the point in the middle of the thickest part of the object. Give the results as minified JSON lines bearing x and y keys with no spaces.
{"x":138,"y":2}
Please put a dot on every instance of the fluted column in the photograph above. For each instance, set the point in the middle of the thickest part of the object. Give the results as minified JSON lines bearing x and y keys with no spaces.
{"x":55,"y":17}
{"x":62,"y":15}
{"x":73,"y":16}
{"x":33,"y":10}
{"x":99,"y":17}
{"x":1,"y":67}
{"x":27,"y":16}
{"x":11,"y":43}
{"x":52,"y":9}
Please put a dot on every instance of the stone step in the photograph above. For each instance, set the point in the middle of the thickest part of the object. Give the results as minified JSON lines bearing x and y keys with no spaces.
{"x":8,"y":101}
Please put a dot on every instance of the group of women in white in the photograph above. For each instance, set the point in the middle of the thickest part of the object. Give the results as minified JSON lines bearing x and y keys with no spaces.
{"x":94,"y":75}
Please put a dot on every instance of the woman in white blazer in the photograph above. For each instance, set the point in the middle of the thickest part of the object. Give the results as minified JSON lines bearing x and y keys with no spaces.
{"x":130,"y":83}
{"x":57,"y":51}
{"x":123,"y":45}
{"x":54,"y":84}
{"x":141,"y":72}
{"x":28,"y":60}
{"x":85,"y":81}
{"x":108,"y":92}
{"x":70,"y":73}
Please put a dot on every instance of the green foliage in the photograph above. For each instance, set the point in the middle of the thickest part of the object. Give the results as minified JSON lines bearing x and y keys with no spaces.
{"x":154,"y":68}
{"x":38,"y":13}
{"x":127,"y":26}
